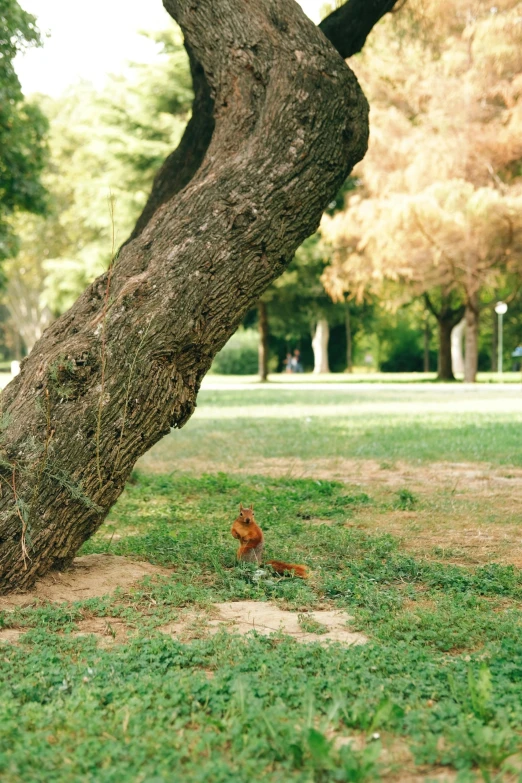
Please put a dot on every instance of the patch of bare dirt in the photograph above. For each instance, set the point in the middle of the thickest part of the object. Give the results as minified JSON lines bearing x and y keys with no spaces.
{"x":11,"y":635}
{"x":265,"y":618}
{"x":456,"y":476}
{"x":431,"y":774}
{"x":90,"y":576}
{"x":419,"y":604}
{"x":109,"y":630}
{"x":240,"y":617}
{"x":465,"y":536}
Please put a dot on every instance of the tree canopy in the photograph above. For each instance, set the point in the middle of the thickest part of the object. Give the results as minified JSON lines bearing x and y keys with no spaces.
{"x":104,"y":149}
{"x":22,"y":129}
{"x":439,"y":196}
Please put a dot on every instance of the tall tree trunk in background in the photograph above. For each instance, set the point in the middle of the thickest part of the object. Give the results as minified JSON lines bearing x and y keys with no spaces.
{"x":445,"y":366}
{"x":472,"y":334}
{"x":457,"y":353}
{"x":447,"y":318}
{"x":494,"y":343}
{"x":263,"y":341}
{"x":348,"y":327}
{"x":427,"y":339}
{"x":320,"y":346}
{"x":17,"y":344}
{"x":124,"y":365}
{"x":28,"y":315}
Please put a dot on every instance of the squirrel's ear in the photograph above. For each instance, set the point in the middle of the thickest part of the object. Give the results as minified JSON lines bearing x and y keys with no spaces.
{"x":252,"y":507}
{"x":241,"y":507}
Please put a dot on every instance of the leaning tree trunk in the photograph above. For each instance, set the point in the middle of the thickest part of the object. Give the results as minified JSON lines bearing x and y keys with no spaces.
{"x":320,"y":346}
{"x":263,"y":341}
{"x":472,"y":332}
{"x":124,"y":365}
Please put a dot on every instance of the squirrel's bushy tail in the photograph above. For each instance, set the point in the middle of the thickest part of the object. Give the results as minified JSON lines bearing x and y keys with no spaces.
{"x":280,"y":567}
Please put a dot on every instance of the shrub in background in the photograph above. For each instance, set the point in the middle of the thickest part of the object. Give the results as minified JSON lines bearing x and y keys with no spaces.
{"x":239,"y":355}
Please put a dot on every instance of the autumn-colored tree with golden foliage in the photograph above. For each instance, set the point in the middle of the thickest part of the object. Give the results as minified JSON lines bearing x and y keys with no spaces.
{"x":439,"y":203}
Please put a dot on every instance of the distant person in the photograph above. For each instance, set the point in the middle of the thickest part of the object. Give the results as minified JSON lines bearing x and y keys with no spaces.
{"x":287,"y":364}
{"x":296,"y":361}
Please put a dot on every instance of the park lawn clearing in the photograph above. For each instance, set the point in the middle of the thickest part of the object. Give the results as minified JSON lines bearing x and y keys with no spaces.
{"x":235,"y":427}
{"x":435,"y":693}
{"x":466,"y":513}
{"x":96,"y":576}
{"x":153,"y":681}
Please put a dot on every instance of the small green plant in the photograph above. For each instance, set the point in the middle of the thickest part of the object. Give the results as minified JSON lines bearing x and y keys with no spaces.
{"x":354,"y":500}
{"x":329,"y":764}
{"x":5,"y":465}
{"x":310,"y":625}
{"x":360,"y":766}
{"x":405,"y":500}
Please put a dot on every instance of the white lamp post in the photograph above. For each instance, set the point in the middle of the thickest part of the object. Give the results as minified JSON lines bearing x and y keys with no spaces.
{"x":500,"y":309}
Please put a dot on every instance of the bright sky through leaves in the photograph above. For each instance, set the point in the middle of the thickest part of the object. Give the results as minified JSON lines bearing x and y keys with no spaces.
{"x":89,"y":42}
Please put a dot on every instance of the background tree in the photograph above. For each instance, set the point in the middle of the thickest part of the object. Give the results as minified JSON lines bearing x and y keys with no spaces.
{"x":264,"y":336}
{"x":299,"y":310}
{"x":104,"y":150}
{"x":444,"y":80}
{"x":26,"y":274}
{"x":22,"y":128}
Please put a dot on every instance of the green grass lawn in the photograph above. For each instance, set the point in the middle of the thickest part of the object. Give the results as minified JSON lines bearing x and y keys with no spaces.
{"x":435,"y":694}
{"x":235,"y":426}
{"x":360,"y":376}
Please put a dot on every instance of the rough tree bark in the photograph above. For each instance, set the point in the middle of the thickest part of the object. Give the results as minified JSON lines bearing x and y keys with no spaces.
{"x":124,"y":365}
{"x":472,"y":331}
{"x":447,"y":317}
{"x":320,"y":346}
{"x":346,"y":28}
{"x":263,"y":341}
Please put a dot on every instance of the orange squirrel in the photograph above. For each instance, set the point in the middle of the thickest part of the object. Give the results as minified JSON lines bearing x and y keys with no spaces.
{"x":251,"y":546}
